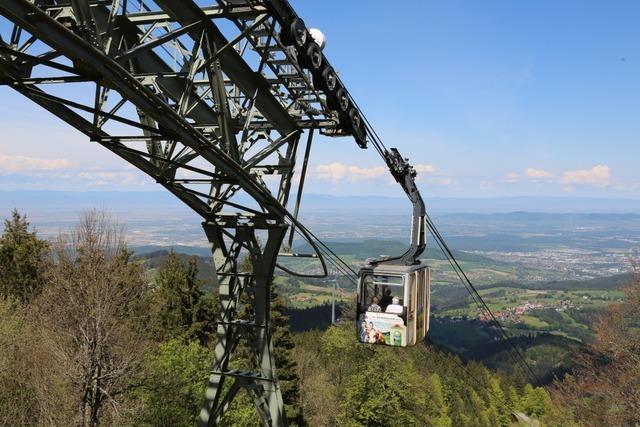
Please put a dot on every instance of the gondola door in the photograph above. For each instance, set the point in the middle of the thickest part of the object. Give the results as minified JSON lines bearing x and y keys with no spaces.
{"x":426,"y":299}
{"x":412,"y":307}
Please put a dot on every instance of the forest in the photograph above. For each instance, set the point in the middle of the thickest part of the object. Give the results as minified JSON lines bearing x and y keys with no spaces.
{"x":91,"y":335}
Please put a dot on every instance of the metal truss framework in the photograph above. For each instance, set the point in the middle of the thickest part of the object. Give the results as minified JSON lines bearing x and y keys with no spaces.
{"x":212,"y":103}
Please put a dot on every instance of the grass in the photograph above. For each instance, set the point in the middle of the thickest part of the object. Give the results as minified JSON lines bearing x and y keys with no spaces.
{"x":533,"y":322}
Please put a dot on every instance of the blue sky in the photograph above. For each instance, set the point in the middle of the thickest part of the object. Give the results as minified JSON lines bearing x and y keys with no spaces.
{"x":489,"y":98}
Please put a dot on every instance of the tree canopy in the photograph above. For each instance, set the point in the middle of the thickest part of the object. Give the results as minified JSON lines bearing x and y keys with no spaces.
{"x":23,"y":259}
{"x":93,"y":336}
{"x":605,"y":388}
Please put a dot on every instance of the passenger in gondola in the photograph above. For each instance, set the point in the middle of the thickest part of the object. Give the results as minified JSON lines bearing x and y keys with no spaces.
{"x":386,"y":298}
{"x":394,"y":307}
{"x":374,"y":305}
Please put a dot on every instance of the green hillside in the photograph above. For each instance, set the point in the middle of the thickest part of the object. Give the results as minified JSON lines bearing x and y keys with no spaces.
{"x":607,"y":282}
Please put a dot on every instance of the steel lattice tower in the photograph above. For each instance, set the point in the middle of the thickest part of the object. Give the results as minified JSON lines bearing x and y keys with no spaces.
{"x":211,"y":101}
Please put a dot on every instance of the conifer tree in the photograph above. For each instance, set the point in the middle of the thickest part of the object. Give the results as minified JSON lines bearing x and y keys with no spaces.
{"x":180,"y":307}
{"x":23,"y":259}
{"x":457,"y":412}
{"x":498,"y":402}
{"x":287,"y":375}
{"x":535,"y":401}
{"x":475,"y":405}
{"x":436,"y":402}
{"x":492,"y":416}
{"x":605,"y":387}
{"x":512,"y":398}
{"x":384,"y":392}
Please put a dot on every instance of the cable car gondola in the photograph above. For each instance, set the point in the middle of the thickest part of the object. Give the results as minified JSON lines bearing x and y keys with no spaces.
{"x":393,"y":304}
{"x":393,"y":293}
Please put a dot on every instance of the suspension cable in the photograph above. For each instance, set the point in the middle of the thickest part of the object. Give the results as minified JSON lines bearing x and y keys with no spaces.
{"x":519,"y":357}
{"x":322,"y":251}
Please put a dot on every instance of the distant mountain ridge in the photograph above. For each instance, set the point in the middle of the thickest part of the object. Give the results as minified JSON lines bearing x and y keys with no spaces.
{"x":72,"y":201}
{"x":617,"y":281}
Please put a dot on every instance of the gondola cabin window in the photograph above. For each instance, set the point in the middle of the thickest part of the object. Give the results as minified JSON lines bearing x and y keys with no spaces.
{"x":381,"y":291}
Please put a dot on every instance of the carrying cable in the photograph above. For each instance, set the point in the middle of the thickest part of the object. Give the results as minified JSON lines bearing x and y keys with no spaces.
{"x":519,"y":357}
{"x":328,"y":250}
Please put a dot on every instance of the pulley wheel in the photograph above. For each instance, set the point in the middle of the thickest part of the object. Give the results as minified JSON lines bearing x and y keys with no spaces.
{"x":357,"y":127}
{"x":298,"y":32}
{"x":342,"y":98}
{"x":329,"y":78}
{"x":294,"y":33}
{"x":313,"y":56}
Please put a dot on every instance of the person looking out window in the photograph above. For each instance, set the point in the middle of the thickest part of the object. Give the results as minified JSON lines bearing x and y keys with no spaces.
{"x":394,"y":307}
{"x":374,"y":305}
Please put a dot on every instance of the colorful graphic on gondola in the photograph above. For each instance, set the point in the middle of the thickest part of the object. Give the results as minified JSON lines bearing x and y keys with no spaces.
{"x":382,"y":328}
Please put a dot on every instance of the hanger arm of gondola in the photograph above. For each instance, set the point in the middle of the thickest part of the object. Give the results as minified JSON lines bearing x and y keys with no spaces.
{"x":405,"y":175}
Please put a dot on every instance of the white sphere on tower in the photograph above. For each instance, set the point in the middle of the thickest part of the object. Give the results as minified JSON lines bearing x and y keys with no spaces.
{"x":318,"y":37}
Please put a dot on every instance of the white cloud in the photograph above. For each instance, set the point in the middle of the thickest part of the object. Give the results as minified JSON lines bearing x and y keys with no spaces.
{"x":598,"y":175}
{"x":538,"y":173}
{"x":511,"y":177}
{"x":101,"y":179}
{"x":444,"y":181}
{"x":422,"y":168}
{"x":336,"y":172}
{"x":485,"y":185}
{"x":15,"y":164}
{"x":182,"y":173}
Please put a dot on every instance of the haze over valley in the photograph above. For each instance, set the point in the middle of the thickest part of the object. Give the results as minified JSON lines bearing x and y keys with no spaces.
{"x":555,"y":239}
